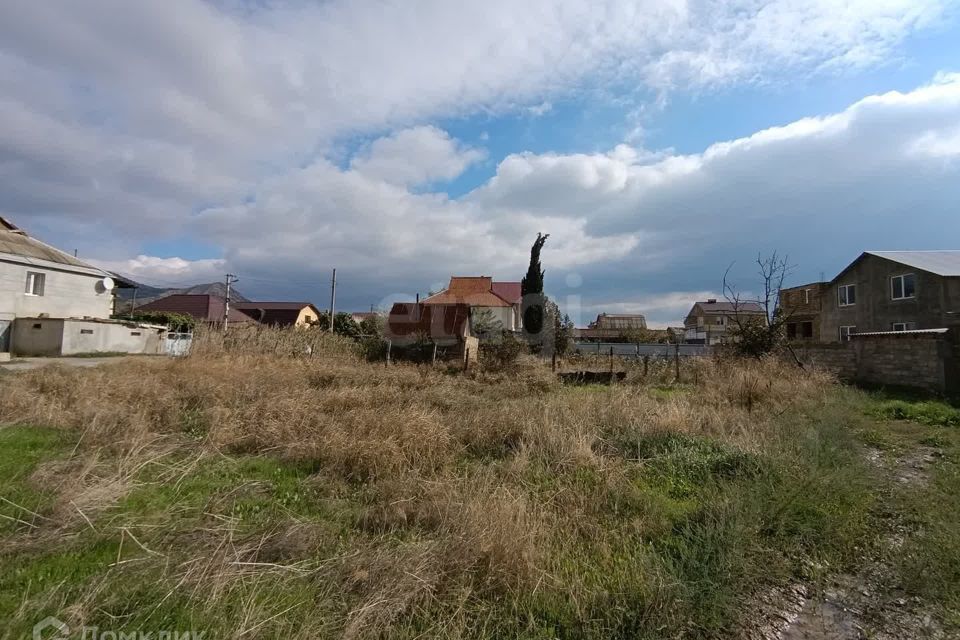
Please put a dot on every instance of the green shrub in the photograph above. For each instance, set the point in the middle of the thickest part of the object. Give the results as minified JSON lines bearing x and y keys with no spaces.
{"x":502,"y":352}
{"x":929,"y":412}
{"x":179,"y":322}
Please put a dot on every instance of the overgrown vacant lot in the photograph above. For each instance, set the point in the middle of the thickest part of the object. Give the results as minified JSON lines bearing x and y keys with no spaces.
{"x":269,"y":496}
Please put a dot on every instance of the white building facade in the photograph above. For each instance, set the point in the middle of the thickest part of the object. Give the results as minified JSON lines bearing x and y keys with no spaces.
{"x":37,"y":280}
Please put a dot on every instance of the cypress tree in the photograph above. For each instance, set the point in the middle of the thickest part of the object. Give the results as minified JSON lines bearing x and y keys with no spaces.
{"x":531,"y":288}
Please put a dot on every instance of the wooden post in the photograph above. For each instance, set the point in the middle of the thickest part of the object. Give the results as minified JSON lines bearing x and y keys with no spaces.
{"x":676,"y":360}
{"x":553,"y":362}
{"x":389,"y":347}
{"x":646,"y":365}
{"x":611,"y":360}
{"x":433,"y":359}
{"x":466,"y":359}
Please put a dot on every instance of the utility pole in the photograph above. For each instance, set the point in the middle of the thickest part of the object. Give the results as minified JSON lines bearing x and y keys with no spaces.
{"x":333,"y":298}
{"x":226,"y":303}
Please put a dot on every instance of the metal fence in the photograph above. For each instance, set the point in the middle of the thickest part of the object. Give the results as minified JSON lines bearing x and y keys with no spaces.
{"x":178,"y":344}
{"x":624,"y":350}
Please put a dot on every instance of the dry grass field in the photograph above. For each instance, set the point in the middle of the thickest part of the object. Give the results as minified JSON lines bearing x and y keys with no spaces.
{"x":256,"y":490}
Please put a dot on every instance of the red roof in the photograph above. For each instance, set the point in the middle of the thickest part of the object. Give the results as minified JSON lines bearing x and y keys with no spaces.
{"x":509,"y":291}
{"x":205,"y":308}
{"x":408,"y":319}
{"x":474,"y":291}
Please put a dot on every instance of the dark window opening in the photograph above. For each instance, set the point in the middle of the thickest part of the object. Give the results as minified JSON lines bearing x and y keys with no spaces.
{"x":86,"y":331}
{"x":806,"y":329}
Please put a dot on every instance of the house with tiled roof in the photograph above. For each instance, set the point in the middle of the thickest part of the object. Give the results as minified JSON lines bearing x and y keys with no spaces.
{"x":201,"y":307}
{"x":482,"y":294}
{"x":280,"y":314}
{"x":710,"y":321}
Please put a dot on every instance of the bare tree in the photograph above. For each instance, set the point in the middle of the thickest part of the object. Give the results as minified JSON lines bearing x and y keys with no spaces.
{"x":758,"y":336}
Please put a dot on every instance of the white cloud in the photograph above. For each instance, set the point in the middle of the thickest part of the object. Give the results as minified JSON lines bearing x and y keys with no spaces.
{"x":132,"y":122}
{"x":415,"y":156}
{"x":166,"y":271}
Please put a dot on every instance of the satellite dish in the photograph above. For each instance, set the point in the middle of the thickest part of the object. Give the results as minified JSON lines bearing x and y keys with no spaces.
{"x":107,"y":284}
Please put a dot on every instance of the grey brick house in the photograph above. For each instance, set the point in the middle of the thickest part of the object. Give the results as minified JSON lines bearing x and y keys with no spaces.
{"x":893,"y":291}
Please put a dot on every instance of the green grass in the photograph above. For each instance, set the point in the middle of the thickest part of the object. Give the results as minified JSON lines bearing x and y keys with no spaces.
{"x":23,"y":448}
{"x":672,"y":537}
{"x":929,"y":412}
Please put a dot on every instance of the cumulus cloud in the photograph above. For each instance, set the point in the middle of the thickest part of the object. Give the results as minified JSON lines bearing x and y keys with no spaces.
{"x":634,"y":227}
{"x":123,"y":123}
{"x":415,"y":156}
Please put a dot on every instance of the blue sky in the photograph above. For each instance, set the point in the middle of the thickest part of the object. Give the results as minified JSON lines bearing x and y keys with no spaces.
{"x":657,"y":141}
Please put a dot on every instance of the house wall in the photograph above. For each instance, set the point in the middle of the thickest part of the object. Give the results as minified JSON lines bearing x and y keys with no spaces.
{"x":36,"y":337}
{"x":59,"y":337}
{"x":65,"y":294}
{"x":307,"y":315}
{"x":875,"y":310}
{"x":925,"y":361}
{"x":804,"y":304}
{"x":714,"y":328}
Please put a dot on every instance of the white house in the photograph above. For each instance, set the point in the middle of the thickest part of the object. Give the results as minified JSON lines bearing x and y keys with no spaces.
{"x":39,"y":281}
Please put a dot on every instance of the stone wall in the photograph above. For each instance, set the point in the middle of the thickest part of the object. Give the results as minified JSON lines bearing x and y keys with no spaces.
{"x":928,"y":361}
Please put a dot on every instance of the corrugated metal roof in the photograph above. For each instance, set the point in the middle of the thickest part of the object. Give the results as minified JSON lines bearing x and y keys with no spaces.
{"x":942,"y":263}
{"x":202,"y":307}
{"x":16,"y":242}
{"x":911,"y":332}
{"x":728,"y":307}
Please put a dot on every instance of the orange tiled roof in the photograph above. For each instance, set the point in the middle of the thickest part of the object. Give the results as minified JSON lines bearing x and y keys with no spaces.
{"x":473,"y":291}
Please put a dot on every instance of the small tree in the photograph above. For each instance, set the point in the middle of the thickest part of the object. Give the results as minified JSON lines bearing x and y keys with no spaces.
{"x":343,"y":324}
{"x":757,"y":335}
{"x":486,"y":326}
{"x":372,"y":326}
{"x":635,"y":335}
{"x":531,"y":290}
{"x":558,"y":332}
{"x":176,"y":322}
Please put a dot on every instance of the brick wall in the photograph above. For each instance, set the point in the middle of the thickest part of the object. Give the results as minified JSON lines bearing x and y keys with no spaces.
{"x":839,"y":359}
{"x":924,"y":361}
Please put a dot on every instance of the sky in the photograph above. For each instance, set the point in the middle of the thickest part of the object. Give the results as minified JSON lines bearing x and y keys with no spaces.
{"x":658,"y":142}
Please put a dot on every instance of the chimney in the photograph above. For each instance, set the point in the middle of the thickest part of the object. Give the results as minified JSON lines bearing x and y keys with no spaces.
{"x":712,"y":301}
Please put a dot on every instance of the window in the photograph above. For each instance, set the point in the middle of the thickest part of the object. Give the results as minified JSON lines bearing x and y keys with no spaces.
{"x":792,"y":330}
{"x":35,"y":283}
{"x":806,"y":329}
{"x":903,"y":287}
{"x":86,"y":332}
{"x":720,"y":320}
{"x":846,"y":332}
{"x":135,"y":333}
{"x":847,"y":294}
{"x":904,"y":326}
